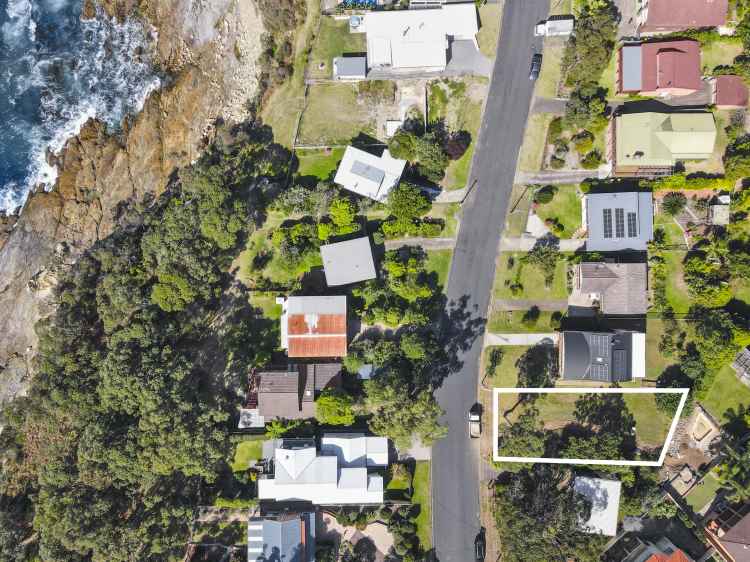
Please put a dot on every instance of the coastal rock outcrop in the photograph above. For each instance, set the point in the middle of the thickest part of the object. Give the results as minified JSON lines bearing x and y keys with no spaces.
{"x":209,"y":49}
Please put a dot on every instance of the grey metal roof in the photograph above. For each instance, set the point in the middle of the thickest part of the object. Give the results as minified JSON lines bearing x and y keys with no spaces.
{"x":348,"y":262}
{"x":367,"y":171}
{"x":623,"y":287}
{"x":619,"y":221}
{"x":349,"y":67}
{"x":631,"y":70}
{"x":596,"y":356}
{"x":288,"y":538}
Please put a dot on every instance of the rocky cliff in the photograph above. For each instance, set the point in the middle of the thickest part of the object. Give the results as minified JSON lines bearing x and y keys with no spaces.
{"x":209,"y":50}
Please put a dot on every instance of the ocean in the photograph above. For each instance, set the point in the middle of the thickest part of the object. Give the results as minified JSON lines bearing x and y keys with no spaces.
{"x":56,"y":72}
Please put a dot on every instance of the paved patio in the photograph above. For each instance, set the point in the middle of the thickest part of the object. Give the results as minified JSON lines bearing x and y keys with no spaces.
{"x":328,"y":529}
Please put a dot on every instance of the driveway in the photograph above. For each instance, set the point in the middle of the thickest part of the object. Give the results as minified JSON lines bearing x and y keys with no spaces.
{"x":455,"y":463}
{"x":465,"y":58}
{"x":526,"y":243}
{"x":520,"y":339}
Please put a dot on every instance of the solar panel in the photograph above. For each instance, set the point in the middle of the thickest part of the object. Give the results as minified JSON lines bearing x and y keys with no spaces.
{"x":620,"y":365}
{"x":607,"y":222}
{"x":620,"y":223}
{"x":632,"y":226}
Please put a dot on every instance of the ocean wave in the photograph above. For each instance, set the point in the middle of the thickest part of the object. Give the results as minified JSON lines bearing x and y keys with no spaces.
{"x":64,"y":73}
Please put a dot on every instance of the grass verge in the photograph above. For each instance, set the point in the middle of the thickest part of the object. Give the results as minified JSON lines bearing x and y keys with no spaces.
{"x":439,"y":261}
{"x":510,"y":268}
{"x":534,"y":140}
{"x":422,"y":496}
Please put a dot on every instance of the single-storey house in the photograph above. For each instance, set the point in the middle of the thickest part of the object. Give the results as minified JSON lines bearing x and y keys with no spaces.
{"x":556,"y":26}
{"x":651,"y":143}
{"x":290,"y":392}
{"x":283,"y":536}
{"x":604,"y":496}
{"x":419,"y":39}
{"x":662,"y":68}
{"x":729,"y":92}
{"x":355,"y":450}
{"x":314,"y":326}
{"x":300,"y":473}
{"x":659,"y":16}
{"x":606,"y":357}
{"x":618,"y":221}
{"x":368,"y":175}
{"x":349,"y":69}
{"x":613,"y":288}
{"x":348,"y":262}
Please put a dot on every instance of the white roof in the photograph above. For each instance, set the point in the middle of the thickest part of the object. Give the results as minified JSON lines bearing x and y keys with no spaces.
{"x":368,"y":175}
{"x":300,"y":474}
{"x":604,"y":496}
{"x":348,"y":262}
{"x":638,"y":354}
{"x":308,"y":305}
{"x":417,"y":38}
{"x":355,"y":450}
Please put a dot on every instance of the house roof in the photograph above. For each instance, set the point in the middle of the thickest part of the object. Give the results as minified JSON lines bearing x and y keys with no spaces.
{"x":660,"y":139}
{"x":402,"y":39}
{"x":666,"y":15}
{"x":676,"y":556}
{"x":631,"y":68}
{"x":289,"y":537}
{"x":731,"y":91}
{"x":736,"y":540}
{"x":604,"y":496}
{"x":289,"y":393}
{"x":671,"y":64}
{"x":741,"y":363}
{"x":622,"y":287}
{"x":368,"y":175}
{"x":602,"y":356}
{"x":355,"y":450}
{"x":349,"y":67}
{"x":619,"y":221}
{"x":348,"y":262}
{"x":314,"y":326}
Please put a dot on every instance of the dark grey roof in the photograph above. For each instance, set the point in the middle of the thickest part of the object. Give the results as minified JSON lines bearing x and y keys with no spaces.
{"x":596,"y":356}
{"x":741,"y":363}
{"x":631,"y":70}
{"x":619,"y":221}
{"x":368,"y":172}
{"x":623,"y":287}
{"x":280,"y":539}
{"x":288,"y":392}
{"x":349,"y":67}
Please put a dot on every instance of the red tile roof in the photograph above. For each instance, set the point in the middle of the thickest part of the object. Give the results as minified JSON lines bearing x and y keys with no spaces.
{"x":320,"y":346}
{"x":671,"y":64}
{"x":731,"y":91}
{"x":676,"y":556}
{"x":673,"y":15}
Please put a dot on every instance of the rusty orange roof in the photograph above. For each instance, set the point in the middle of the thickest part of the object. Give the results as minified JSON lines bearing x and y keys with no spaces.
{"x":677,"y":556}
{"x":317,"y":324}
{"x":317,"y":346}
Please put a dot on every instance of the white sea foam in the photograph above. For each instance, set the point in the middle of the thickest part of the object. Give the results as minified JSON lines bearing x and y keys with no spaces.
{"x":20,"y":24}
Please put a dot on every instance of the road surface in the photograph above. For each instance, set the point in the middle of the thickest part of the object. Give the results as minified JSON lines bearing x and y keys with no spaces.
{"x":455,"y":468}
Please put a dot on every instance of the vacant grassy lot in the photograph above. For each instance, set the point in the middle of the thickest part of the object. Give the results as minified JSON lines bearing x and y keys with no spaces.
{"x":512,"y":321}
{"x":284,"y":106}
{"x":534,"y":140}
{"x":319,"y":163}
{"x":551,"y":73}
{"x":726,"y":393}
{"x":511,"y":268}
{"x":245,"y":452}
{"x":490,"y":19}
{"x":719,"y":53}
{"x":422,"y":497}
{"x":333,"y":40}
{"x":334,"y":115}
{"x":565,"y":207}
{"x":439,"y":261}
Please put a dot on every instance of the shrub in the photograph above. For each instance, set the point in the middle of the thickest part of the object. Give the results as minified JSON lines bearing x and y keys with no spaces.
{"x":545,"y":194}
{"x":457,"y":144}
{"x":673,"y":203}
{"x":531,"y":317}
{"x":556,"y":163}
{"x":554,"y":132}
{"x":561,"y":148}
{"x":591,"y":160}
{"x":584,"y":142}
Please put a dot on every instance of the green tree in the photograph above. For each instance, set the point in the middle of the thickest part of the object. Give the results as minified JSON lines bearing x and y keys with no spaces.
{"x":525,"y":437}
{"x":673,"y":203}
{"x":335,"y":407}
{"x":734,"y":474}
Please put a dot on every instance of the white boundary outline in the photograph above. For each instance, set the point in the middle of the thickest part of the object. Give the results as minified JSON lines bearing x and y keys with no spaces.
{"x":496,"y":392}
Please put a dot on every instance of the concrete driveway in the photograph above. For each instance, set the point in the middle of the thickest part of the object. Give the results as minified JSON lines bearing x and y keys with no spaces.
{"x":455,"y":466}
{"x":465,"y":58}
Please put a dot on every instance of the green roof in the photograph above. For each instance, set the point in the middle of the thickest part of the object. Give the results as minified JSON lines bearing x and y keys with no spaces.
{"x":660,"y":139}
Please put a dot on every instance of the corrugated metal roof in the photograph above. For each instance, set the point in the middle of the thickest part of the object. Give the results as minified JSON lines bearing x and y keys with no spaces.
{"x":631,"y":68}
{"x":605,"y":236}
{"x":349,"y":67}
{"x":348,"y":262}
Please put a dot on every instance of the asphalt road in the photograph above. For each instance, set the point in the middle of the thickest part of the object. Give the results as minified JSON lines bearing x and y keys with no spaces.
{"x":455,"y":468}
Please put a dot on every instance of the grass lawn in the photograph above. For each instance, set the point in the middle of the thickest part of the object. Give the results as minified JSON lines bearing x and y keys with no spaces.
{"x":457,"y":174}
{"x":609,"y":77}
{"x":741,"y":289}
{"x":677,"y":294}
{"x":333,"y":40}
{"x":549,"y":77}
{"x":284,"y":106}
{"x":422,"y":496}
{"x":334,"y":115}
{"x":714,"y":164}
{"x":245,"y":452}
{"x":719,"y":53}
{"x":530,"y":277}
{"x":534,"y":140}
{"x":319,"y":163}
{"x":447,"y":212}
{"x":726,"y":392}
{"x":656,"y":361}
{"x":515,"y":222}
{"x":266,"y":301}
{"x":703,"y":492}
{"x":505,"y":374}
{"x":565,"y":207}
{"x":561,"y":7}
{"x":511,"y":321}
{"x":490,"y":19}
{"x":439,"y":261}
{"x":672,"y":230}
{"x":399,"y":483}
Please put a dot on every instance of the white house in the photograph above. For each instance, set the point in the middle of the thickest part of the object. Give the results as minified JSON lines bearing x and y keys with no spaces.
{"x":338,"y":476}
{"x":417,"y":39}
{"x":604,"y":496}
{"x":368,"y":175}
{"x":348,"y":262}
